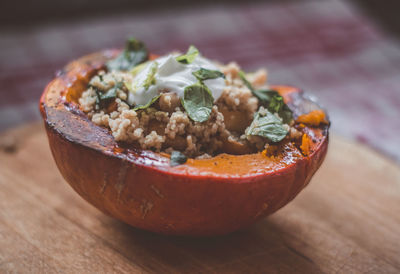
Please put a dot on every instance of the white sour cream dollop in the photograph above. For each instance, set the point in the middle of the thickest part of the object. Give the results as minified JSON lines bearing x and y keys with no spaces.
{"x":172,"y":76}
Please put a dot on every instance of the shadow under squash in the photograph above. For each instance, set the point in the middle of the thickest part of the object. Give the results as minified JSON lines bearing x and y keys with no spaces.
{"x":260,"y":248}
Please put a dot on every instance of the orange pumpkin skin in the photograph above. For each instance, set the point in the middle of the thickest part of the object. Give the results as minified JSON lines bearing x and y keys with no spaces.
{"x":200,"y":198}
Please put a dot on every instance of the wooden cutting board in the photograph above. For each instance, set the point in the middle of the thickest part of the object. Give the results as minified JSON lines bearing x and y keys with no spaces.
{"x":347,"y":220}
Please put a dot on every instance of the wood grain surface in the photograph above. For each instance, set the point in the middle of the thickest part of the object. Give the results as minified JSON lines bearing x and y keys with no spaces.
{"x":346,"y":221}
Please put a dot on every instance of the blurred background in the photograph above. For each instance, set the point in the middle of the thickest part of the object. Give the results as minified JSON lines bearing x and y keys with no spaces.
{"x":345,"y":52}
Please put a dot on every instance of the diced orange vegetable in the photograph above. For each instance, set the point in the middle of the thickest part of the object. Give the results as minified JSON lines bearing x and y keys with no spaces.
{"x":306,"y":143}
{"x":153,"y":56}
{"x":264,"y":153}
{"x":313,"y":118}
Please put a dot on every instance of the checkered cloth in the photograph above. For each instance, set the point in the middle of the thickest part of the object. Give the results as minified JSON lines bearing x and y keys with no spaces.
{"x":328,"y":48}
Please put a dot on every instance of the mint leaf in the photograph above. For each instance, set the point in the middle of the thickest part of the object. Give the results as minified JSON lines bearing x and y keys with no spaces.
{"x":245,"y":81}
{"x":177,"y":158}
{"x":103,"y":98}
{"x":265,"y":95}
{"x":275,"y":104}
{"x":148,"y":104}
{"x":270,"y":99}
{"x":268,"y":126}
{"x":135,"y":52}
{"x":198,"y":101}
{"x":189,"y":57}
{"x":206,"y":74}
{"x":111,"y":93}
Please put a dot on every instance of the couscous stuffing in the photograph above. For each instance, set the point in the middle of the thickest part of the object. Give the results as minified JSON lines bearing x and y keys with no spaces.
{"x":186,"y":103}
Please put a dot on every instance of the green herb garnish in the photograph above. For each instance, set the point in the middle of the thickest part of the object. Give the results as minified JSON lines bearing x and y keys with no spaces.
{"x":150,"y":79}
{"x":135,"y":52}
{"x":189,"y":57}
{"x":103,"y":98}
{"x":206,"y":74}
{"x":147,"y":82}
{"x":265,"y":95}
{"x":148,"y":104}
{"x":198,"y":102}
{"x":277,"y":105}
{"x":111,"y":93}
{"x":270,"y":99}
{"x":245,"y":81}
{"x":268,"y":126}
{"x":177,"y":158}
{"x":134,"y":71}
